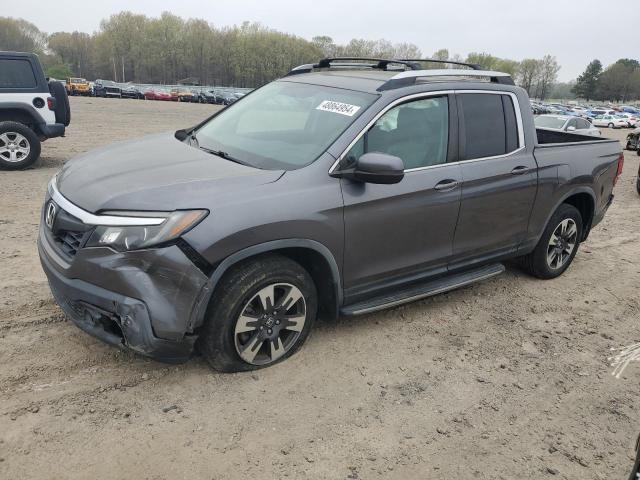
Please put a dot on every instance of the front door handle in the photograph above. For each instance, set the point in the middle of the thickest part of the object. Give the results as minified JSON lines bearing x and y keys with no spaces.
{"x":446,"y":185}
{"x":520,"y":170}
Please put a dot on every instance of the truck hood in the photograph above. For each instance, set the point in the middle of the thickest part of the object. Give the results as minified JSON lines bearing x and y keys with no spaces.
{"x":157,"y":172}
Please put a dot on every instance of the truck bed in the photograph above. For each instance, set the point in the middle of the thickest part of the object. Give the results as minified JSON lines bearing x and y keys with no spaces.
{"x":554,"y":137}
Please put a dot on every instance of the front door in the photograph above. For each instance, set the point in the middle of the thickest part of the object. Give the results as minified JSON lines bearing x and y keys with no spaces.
{"x":394,"y":233}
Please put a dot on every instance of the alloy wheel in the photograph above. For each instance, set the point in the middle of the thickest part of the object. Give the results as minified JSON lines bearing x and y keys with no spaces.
{"x":14,"y":147}
{"x":270,"y":323}
{"x":562,"y":244}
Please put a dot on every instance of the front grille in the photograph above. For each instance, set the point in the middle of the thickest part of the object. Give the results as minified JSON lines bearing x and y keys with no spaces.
{"x":69,"y":242}
{"x":65,"y":232}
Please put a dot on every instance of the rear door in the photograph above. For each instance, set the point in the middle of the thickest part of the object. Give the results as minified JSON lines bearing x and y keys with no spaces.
{"x":499,"y":177}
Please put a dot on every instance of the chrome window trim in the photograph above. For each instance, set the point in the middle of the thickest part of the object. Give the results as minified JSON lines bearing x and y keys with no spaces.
{"x":91,"y":219}
{"x":516,"y":106}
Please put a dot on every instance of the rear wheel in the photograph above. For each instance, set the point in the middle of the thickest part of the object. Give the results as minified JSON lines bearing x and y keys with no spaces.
{"x":19,"y":146}
{"x":558,"y":245}
{"x":260,"y":314}
{"x":610,"y":125}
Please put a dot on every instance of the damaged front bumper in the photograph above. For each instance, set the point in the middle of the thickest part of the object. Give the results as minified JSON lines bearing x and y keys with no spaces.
{"x":149,"y":301}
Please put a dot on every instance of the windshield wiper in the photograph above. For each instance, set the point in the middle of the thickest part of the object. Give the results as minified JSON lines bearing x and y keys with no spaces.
{"x":225,"y":155}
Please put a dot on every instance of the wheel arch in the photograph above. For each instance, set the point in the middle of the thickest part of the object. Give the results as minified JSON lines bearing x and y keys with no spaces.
{"x":315,"y":257}
{"x":584,"y":199}
{"x":21,"y":113}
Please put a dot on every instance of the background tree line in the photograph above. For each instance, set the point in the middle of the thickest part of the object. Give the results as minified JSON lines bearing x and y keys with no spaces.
{"x":133,"y":47}
{"x":619,"y":82}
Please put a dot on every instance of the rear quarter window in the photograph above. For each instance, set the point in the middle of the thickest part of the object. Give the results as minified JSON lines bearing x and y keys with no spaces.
{"x":16,"y":73}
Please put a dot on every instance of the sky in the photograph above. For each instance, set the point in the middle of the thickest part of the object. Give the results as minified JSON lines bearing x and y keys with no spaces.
{"x":574,"y":31}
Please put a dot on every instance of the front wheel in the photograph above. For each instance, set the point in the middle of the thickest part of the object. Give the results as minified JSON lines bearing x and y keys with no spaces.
{"x":260,"y":314}
{"x":19,"y":146}
{"x":558,"y":245}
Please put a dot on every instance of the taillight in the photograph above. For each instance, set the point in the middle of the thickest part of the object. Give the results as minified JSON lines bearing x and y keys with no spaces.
{"x":51,"y":103}
{"x":620,"y":167}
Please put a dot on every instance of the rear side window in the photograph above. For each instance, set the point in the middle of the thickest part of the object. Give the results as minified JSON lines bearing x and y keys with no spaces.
{"x":16,"y":73}
{"x":583,"y":124}
{"x":489,"y":123}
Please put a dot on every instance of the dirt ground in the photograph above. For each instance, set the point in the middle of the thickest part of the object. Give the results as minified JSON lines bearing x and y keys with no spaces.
{"x":504,"y":379}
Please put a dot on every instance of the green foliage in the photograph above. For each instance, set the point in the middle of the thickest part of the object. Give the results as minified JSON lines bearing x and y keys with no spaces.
{"x":620,"y":81}
{"x":133,"y":47}
{"x":19,"y":35}
{"x":59,"y":71}
{"x":587,"y":83}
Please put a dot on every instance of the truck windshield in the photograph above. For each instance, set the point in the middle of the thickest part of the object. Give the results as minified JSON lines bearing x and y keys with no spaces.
{"x":283,"y":125}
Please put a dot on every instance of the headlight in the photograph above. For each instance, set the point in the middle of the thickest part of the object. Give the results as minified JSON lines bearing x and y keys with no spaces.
{"x":133,"y":237}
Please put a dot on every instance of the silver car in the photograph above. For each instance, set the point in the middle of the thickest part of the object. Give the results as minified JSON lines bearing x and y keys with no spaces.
{"x":566,"y":123}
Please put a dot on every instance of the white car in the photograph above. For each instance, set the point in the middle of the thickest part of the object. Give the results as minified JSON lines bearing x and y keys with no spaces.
{"x":632,"y":120}
{"x":566,"y":123}
{"x":611,"y":121}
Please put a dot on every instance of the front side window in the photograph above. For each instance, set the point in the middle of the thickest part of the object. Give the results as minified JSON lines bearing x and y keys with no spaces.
{"x":490,"y":126}
{"x":283,"y":125}
{"x":416,"y":131}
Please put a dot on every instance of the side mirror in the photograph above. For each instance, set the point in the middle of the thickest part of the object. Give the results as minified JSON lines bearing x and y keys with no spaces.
{"x":571,"y":129}
{"x":376,"y":167}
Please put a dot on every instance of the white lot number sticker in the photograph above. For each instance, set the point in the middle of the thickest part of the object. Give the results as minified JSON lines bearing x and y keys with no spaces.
{"x":337,"y":107}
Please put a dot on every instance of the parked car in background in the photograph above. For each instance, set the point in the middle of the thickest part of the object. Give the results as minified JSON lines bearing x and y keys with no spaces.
{"x":633,"y":140}
{"x":77,"y":86}
{"x":155,"y":93}
{"x":566,"y":123}
{"x":182,"y":95}
{"x":132,"y":91}
{"x":226,"y":98}
{"x":106,"y":88}
{"x":632,"y":120}
{"x":630,"y":109}
{"x":331,"y":191}
{"x":206,"y":96}
{"x":610,"y":121}
{"x":32,"y":110}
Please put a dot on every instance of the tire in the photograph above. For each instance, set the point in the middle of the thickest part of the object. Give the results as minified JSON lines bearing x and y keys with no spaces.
{"x":538,"y":263}
{"x":611,"y":125}
{"x":229,"y":332}
{"x":628,"y":146}
{"x":19,"y":146}
{"x":63,"y":109}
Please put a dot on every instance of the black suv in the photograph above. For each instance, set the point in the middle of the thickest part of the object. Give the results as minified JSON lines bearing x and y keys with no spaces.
{"x":31,"y":109}
{"x":106,"y":88}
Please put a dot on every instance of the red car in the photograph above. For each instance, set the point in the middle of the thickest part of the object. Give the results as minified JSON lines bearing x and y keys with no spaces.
{"x":157,"y":94}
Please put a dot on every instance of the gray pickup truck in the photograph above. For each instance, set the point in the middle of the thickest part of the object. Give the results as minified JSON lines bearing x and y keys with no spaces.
{"x":346,"y":187}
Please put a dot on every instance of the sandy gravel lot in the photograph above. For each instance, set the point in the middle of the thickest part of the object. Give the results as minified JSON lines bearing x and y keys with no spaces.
{"x":501,"y":380}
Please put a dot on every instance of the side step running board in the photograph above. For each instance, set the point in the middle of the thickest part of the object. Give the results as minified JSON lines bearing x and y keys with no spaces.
{"x":427,"y":289}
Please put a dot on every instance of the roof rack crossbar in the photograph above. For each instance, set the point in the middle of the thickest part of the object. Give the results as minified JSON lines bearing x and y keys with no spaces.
{"x":347,"y":62}
{"x":417,"y":61}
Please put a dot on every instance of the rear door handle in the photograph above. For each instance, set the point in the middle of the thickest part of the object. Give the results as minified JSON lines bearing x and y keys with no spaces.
{"x":446,"y":185}
{"x":520,"y":170}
